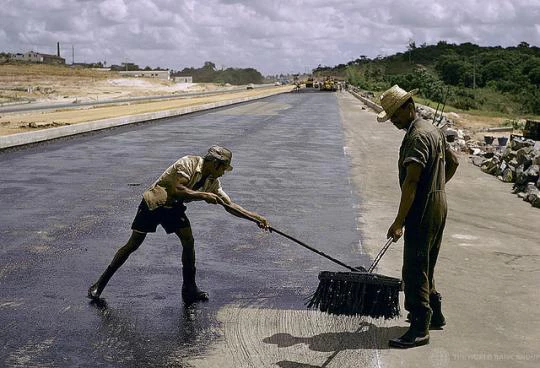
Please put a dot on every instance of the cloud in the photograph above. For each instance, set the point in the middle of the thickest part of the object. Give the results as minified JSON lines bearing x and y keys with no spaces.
{"x":272,"y":36}
{"x":113,"y":10}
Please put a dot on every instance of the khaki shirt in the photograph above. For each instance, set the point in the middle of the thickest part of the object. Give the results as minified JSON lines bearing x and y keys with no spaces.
{"x":424,"y":144}
{"x":189,"y":167}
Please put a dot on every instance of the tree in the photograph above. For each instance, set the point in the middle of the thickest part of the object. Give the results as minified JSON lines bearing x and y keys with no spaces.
{"x":497,"y":70}
{"x":451,"y":69}
{"x":534,"y":76}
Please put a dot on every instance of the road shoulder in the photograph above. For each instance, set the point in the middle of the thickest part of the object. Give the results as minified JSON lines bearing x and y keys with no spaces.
{"x":487,"y":270}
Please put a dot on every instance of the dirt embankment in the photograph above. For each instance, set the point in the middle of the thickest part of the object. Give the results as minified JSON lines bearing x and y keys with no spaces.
{"x":45,"y":84}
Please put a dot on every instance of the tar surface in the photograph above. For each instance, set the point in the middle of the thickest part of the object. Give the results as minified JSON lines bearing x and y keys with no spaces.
{"x":68,"y":206}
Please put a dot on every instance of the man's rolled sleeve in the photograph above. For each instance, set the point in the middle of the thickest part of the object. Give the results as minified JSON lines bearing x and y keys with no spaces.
{"x":185,"y":168}
{"x":417,"y":150}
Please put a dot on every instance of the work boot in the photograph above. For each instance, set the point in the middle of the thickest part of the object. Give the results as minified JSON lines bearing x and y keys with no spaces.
{"x":190,"y":292}
{"x":94,"y":292}
{"x":417,"y":334}
{"x":437,"y":319}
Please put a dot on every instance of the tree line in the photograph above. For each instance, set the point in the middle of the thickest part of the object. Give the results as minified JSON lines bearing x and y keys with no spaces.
{"x":471,"y":76}
{"x":208,"y":73}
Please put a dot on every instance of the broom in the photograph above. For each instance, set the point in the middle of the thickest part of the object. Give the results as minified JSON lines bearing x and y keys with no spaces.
{"x":359,"y":292}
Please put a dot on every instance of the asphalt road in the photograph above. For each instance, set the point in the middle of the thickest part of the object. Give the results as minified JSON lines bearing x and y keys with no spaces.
{"x":68,"y":206}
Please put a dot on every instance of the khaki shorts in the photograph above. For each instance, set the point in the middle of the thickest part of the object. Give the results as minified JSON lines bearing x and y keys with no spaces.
{"x":171,"y":219}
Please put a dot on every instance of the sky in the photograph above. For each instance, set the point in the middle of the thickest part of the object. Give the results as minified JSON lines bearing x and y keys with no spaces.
{"x":282,"y":36}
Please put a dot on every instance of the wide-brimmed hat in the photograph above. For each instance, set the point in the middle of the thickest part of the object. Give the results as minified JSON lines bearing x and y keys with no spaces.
{"x":220,"y":154}
{"x":391,"y":100}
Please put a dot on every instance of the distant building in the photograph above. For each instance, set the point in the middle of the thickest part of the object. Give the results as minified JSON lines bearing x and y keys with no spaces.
{"x":158,"y":74}
{"x":37,"y":57}
{"x":183,"y":79}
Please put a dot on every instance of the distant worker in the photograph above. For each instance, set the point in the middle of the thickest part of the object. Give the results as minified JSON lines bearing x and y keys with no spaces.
{"x":426,"y":163}
{"x":191,"y":178}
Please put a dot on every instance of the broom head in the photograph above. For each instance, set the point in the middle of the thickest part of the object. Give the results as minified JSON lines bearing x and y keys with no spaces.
{"x":357,"y":293}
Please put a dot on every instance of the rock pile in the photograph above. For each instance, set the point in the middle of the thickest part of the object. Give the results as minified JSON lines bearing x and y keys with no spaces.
{"x":518,"y":163}
{"x":428,"y":113}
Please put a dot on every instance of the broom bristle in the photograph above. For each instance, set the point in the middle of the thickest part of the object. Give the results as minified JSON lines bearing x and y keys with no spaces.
{"x":357,"y":293}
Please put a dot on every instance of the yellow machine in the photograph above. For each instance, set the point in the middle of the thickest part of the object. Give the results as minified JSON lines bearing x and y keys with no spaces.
{"x":328,"y":85}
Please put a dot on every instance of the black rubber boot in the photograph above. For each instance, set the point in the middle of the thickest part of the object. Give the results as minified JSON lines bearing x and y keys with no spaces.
{"x":190,"y":292}
{"x":417,"y":334}
{"x":437,"y":319}
{"x":94,"y":292}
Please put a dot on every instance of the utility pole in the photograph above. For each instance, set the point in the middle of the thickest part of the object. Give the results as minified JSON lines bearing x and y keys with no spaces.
{"x":72,"y":55}
{"x":474,"y":73}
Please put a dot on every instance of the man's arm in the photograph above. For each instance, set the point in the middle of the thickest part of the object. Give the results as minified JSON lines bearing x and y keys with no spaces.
{"x":179,"y":190}
{"x":451,"y":163}
{"x":239,"y":211}
{"x":408,"y":192}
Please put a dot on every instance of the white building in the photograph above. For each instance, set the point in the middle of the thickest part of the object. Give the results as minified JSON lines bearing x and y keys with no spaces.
{"x":37,"y":57}
{"x":159,"y":74}
{"x":183,"y":79}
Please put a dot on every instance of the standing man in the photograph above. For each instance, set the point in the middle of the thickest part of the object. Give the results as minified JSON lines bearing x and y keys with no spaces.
{"x":191,"y":178}
{"x":426,"y":163}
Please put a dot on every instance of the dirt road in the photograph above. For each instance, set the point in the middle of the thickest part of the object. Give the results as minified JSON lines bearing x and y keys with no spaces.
{"x":12,"y":123}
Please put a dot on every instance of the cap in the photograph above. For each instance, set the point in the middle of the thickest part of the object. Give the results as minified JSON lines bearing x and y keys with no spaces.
{"x":221,"y":154}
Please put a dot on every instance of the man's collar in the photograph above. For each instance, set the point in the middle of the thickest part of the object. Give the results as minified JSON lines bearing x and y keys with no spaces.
{"x":412,"y":124}
{"x":200,"y":163}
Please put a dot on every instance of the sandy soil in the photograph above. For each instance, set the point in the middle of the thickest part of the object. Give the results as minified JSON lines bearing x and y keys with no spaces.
{"x":48,"y":83}
{"x":12,"y":123}
{"x":33,"y":83}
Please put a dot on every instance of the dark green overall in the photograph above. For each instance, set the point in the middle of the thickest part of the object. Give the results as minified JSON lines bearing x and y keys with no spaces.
{"x":424,"y":225}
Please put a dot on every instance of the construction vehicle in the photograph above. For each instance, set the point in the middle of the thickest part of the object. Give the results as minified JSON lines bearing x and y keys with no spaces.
{"x":328,"y":85}
{"x":309,"y":82}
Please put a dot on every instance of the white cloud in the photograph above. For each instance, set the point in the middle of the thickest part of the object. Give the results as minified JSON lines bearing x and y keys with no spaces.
{"x":113,"y":10}
{"x":272,"y":36}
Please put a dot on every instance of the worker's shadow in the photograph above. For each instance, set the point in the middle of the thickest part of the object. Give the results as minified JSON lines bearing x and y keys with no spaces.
{"x":367,"y":336}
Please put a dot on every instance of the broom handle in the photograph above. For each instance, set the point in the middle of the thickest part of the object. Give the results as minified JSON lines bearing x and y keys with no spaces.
{"x":295,"y":240}
{"x":379,"y":255}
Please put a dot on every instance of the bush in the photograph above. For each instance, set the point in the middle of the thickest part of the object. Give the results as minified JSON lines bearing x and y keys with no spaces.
{"x":464,"y":103}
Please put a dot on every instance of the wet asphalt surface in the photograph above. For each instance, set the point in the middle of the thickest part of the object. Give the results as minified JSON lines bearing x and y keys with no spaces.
{"x":68,"y":206}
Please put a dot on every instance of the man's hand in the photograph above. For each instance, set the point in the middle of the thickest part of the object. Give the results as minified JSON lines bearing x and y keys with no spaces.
{"x":263,"y":222}
{"x":395,"y":231}
{"x":211,"y":198}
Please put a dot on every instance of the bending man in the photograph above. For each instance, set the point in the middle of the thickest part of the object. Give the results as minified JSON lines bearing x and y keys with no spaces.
{"x":191,"y":178}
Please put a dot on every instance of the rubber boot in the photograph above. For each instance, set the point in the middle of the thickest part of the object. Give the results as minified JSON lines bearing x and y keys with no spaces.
{"x":94,"y":292}
{"x":437,"y":319}
{"x":190,"y":292}
{"x":417,"y":334}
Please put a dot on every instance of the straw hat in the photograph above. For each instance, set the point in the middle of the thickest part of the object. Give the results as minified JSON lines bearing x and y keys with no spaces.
{"x":391,"y":100}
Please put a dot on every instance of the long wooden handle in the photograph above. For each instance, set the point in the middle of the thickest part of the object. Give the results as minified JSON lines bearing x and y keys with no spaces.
{"x":272,"y":229}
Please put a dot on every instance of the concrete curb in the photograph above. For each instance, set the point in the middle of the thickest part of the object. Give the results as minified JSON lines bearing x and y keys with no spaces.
{"x":366,"y":101}
{"x":21,"y":139}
